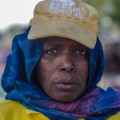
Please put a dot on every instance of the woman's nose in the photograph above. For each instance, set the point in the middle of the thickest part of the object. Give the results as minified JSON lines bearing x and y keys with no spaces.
{"x":67,"y":63}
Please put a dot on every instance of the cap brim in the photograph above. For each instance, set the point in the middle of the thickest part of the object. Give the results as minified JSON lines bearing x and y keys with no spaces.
{"x":65,"y":29}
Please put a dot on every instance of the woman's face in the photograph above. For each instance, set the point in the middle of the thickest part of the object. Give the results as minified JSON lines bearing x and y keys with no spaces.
{"x":63,"y":69}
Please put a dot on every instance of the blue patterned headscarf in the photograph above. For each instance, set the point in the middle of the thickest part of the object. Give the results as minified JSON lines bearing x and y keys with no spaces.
{"x":20,"y":84}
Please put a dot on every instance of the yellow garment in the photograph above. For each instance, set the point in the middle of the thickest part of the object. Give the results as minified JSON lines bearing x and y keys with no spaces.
{"x":10,"y":110}
{"x":115,"y":117}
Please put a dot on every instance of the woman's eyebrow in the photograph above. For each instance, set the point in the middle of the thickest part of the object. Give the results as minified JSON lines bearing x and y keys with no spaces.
{"x":52,"y":44}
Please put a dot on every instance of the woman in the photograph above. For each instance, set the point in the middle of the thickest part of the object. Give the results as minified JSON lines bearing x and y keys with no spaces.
{"x":55,"y":65}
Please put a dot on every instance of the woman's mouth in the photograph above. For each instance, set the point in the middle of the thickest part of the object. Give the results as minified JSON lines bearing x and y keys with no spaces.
{"x":66,"y":85}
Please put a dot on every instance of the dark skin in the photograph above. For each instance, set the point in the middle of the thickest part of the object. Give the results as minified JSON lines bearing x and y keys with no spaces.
{"x":63,"y":69}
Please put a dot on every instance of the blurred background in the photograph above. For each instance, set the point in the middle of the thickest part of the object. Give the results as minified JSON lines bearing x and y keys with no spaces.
{"x":15,"y":19}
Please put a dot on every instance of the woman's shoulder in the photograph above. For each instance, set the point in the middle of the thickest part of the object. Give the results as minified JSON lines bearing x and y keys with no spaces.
{"x":9,"y":103}
{"x":10,"y":106}
{"x":11,"y":109}
{"x":115,"y":116}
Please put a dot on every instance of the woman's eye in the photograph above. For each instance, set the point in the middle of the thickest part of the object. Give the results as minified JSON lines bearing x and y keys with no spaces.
{"x":81,"y":52}
{"x":52,"y":51}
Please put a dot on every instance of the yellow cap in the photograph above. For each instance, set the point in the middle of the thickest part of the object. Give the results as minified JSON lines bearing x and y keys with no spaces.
{"x":71,"y":19}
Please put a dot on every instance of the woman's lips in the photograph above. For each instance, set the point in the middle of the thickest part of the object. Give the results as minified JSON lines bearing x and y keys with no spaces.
{"x":66,"y":85}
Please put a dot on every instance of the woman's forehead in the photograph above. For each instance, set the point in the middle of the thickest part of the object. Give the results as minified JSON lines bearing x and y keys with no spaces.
{"x":62,"y":41}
